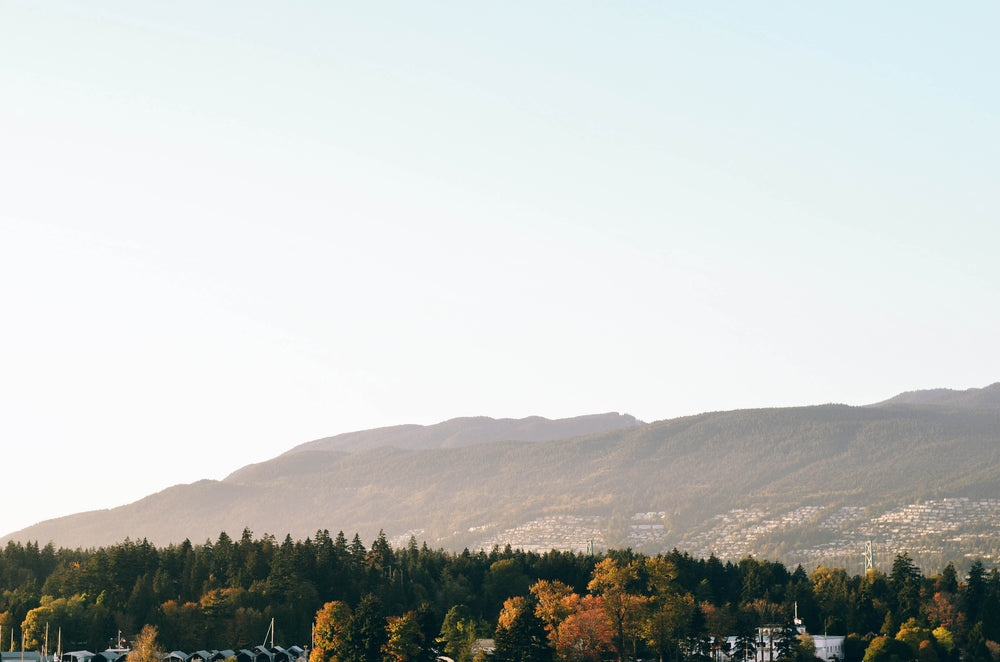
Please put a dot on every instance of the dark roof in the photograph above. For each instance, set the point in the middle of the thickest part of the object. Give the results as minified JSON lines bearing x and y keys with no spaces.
{"x":109,"y":656}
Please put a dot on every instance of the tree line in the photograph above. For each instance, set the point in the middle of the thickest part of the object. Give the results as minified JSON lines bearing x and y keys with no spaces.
{"x":383,"y":604}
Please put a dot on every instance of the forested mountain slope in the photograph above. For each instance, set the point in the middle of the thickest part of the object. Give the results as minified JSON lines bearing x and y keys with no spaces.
{"x":974,"y":398}
{"x":687,"y":470}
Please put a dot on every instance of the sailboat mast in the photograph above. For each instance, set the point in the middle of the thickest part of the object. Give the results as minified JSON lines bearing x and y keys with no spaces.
{"x":270,"y":631}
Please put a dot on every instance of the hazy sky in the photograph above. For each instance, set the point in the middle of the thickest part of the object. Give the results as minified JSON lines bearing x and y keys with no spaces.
{"x":227,"y":228}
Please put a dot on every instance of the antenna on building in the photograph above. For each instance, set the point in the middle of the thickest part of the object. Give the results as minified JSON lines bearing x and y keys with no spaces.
{"x":869,"y":564}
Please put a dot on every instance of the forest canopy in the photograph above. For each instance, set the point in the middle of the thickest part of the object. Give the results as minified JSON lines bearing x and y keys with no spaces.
{"x":375,"y":602}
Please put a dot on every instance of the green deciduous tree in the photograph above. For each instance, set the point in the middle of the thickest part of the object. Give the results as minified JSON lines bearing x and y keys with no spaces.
{"x":831,"y":590}
{"x":887,"y":649}
{"x":913,"y":634}
{"x":458,"y":633}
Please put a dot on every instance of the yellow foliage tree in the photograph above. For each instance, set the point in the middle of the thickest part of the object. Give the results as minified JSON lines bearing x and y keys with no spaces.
{"x":623,"y":605}
{"x":331,"y":623}
{"x":556,"y":602}
{"x":405,"y":640}
{"x":145,"y":648}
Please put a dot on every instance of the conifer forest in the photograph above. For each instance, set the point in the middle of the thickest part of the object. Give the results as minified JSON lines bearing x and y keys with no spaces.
{"x":344,"y":601}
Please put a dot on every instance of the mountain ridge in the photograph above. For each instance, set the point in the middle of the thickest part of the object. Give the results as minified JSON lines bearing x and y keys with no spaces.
{"x":469,"y":430}
{"x":685,"y":473}
{"x":985,"y":397}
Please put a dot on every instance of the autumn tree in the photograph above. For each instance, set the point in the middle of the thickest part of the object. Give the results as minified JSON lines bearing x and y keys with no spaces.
{"x":555,"y":602}
{"x":328,"y":635}
{"x":585,"y":635}
{"x":887,"y":649}
{"x":912,"y":633}
{"x":145,"y":648}
{"x":831,"y":589}
{"x":404,"y":640}
{"x":180,"y":623}
{"x":662,"y":576}
{"x":945,"y":641}
{"x":618,"y":584}
{"x":668,"y":614}
{"x":927,"y":652}
{"x":805,"y":651}
{"x":69,"y":612}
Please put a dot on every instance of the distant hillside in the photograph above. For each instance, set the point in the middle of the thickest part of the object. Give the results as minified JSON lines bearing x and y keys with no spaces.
{"x":685,"y":482}
{"x":973,"y":398}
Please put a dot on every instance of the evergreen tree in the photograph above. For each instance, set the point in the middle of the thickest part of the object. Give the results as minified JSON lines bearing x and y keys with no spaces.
{"x":785,"y":642}
{"x":745,"y":646}
{"x":976,"y":649}
{"x":905,"y":580}
{"x":520,"y":634}
{"x":365,"y":634}
{"x":975,"y":591}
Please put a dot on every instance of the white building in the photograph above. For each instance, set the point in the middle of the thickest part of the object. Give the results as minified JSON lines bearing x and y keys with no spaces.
{"x":828,"y":648}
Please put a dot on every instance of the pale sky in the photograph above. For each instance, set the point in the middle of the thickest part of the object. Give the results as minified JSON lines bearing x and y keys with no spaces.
{"x":227,"y":228}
